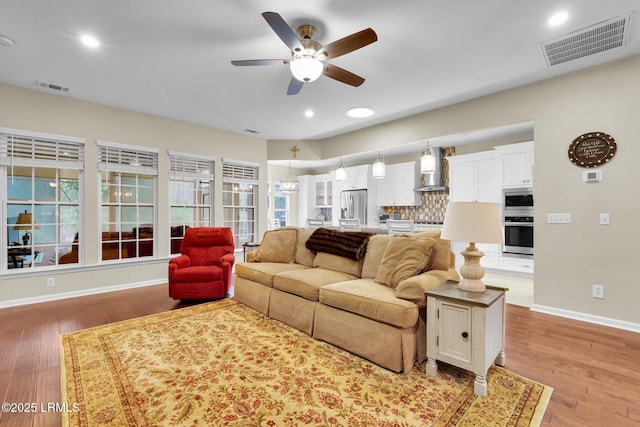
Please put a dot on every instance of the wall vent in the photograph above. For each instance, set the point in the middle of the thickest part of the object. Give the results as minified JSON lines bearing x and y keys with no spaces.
{"x":597,"y":38}
{"x":52,"y":86}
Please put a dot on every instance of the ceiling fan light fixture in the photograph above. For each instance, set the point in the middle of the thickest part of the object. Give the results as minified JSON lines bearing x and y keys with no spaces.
{"x":306,"y":68}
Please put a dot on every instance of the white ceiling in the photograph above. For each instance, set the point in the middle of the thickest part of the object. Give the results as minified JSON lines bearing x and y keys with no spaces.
{"x":172,"y":58}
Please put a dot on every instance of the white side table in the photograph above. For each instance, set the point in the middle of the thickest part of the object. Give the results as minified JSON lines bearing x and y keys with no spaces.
{"x":465,"y":329}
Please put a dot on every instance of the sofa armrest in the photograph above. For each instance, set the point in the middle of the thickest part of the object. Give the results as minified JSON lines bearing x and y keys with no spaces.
{"x":251,"y":256}
{"x":413,"y":288}
{"x":181,"y":261}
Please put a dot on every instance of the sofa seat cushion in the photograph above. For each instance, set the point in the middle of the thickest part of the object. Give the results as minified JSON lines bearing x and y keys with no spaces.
{"x":307,"y":283}
{"x":372,"y":300}
{"x":264,"y":272}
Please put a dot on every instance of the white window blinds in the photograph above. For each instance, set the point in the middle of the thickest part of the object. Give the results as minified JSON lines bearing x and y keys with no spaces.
{"x":237,"y":172}
{"x":18,"y":148}
{"x":190,"y":166}
{"x":114,"y":157}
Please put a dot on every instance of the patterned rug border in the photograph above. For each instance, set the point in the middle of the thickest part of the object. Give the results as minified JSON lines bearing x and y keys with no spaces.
{"x":449,"y":416}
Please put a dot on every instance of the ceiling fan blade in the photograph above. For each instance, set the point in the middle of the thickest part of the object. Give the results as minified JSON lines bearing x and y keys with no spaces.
{"x":349,"y":43}
{"x":295,"y":86}
{"x":342,"y":75}
{"x":283,"y":30}
{"x":246,"y":62}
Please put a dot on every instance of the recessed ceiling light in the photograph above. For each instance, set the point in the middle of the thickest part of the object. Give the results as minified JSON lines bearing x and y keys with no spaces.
{"x":89,"y":41}
{"x":6,"y":41}
{"x":309,"y":113}
{"x":360,"y":112}
{"x":558,"y":18}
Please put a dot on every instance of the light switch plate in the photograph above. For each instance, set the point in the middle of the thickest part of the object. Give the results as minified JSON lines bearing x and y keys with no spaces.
{"x":558,"y":218}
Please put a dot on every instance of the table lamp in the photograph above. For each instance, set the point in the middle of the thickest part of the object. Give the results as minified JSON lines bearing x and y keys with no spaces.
{"x":25,"y":222}
{"x":473,"y":222}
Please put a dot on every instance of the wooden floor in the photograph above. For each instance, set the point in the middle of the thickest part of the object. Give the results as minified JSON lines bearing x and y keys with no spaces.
{"x":594,"y":370}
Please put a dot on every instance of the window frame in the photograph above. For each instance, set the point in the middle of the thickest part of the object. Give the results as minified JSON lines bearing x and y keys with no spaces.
{"x":186,"y":167}
{"x":239,"y":173}
{"x":49,"y":158}
{"x":133,"y":163}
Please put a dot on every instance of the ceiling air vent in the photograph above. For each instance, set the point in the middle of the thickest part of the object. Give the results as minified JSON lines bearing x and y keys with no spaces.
{"x":52,"y":86}
{"x":587,"y":41}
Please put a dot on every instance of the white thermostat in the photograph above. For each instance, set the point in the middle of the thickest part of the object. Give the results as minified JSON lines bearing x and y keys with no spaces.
{"x":592,"y":176}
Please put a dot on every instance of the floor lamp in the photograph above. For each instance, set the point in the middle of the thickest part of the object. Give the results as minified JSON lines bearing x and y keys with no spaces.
{"x":473,"y":222}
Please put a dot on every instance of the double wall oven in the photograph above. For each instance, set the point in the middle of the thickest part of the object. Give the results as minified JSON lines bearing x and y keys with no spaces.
{"x":518,"y":221}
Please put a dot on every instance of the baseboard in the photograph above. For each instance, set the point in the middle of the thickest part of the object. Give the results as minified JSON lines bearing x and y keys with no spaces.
{"x":605,"y":321}
{"x":81,"y":293}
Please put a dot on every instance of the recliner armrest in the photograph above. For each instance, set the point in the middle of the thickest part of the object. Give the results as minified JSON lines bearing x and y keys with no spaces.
{"x":230,"y":258}
{"x":181,"y":261}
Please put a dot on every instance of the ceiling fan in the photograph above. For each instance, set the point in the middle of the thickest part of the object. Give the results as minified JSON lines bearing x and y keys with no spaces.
{"x":308,"y":56}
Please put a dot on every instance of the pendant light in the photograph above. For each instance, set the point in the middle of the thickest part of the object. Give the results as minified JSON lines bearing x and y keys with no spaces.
{"x":427,"y":161}
{"x":290,"y":185}
{"x":341,"y":172}
{"x":378,"y":169}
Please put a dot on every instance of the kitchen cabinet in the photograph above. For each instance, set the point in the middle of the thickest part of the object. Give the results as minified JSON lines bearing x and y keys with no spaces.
{"x":323,"y":191}
{"x":517,"y":164}
{"x":465,"y":329}
{"x":357,"y":178}
{"x":475,"y":177}
{"x":520,"y":265}
{"x":397,"y":187}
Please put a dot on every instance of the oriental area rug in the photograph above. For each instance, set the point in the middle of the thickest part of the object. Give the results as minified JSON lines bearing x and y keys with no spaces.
{"x":223,"y":364}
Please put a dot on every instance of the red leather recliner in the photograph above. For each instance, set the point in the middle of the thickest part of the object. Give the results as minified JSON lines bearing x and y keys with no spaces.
{"x":203,"y":271}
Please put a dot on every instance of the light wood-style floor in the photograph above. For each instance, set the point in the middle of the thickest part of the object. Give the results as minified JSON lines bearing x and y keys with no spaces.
{"x":594,"y":370}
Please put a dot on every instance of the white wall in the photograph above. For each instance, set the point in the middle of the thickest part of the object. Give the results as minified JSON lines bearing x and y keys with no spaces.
{"x":41,"y":112}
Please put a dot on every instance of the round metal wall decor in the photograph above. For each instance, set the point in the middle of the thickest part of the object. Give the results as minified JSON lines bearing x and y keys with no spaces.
{"x":592,"y":149}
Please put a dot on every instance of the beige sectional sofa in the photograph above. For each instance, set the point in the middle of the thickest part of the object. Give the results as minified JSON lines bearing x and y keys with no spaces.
{"x":371,"y":304}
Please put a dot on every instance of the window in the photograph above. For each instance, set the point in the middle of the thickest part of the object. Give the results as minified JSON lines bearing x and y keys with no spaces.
{"x":190,"y":194}
{"x":128,"y":191}
{"x":280,"y":206}
{"x":42,"y":176}
{"x":240,"y":198}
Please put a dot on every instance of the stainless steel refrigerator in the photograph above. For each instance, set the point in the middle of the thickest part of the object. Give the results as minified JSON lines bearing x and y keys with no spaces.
{"x":353,"y":204}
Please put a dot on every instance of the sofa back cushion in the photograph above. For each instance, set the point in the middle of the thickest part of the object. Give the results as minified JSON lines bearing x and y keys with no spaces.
{"x":304,"y":256}
{"x":338,"y":263}
{"x":406,"y":256}
{"x":441,"y":256}
{"x":278,"y":246}
{"x":375,"y":251}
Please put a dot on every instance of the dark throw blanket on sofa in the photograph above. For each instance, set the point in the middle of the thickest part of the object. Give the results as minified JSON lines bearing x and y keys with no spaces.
{"x":349,"y":244}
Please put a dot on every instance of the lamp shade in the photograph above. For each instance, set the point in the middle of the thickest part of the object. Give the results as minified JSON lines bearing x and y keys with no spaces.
{"x":477,"y":222}
{"x":341,"y":172}
{"x":25,"y":222}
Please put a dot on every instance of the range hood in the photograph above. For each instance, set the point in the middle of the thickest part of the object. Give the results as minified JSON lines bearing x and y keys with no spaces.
{"x":435,"y":181}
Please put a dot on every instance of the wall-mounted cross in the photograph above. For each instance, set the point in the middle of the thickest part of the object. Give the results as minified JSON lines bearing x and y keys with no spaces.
{"x":295,"y":151}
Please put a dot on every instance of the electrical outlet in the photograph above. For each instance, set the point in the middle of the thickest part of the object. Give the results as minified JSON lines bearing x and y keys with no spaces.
{"x":598,"y":291}
{"x":604,"y":219}
{"x":51,"y":282}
